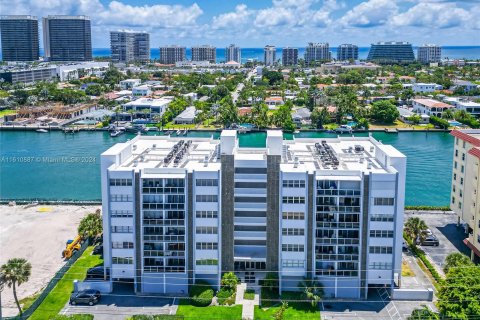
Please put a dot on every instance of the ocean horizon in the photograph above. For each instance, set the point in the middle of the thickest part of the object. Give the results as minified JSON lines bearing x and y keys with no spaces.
{"x":451,"y":52}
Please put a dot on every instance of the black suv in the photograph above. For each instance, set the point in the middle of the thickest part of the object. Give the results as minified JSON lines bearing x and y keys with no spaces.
{"x":97,"y":273}
{"x":89,"y":297}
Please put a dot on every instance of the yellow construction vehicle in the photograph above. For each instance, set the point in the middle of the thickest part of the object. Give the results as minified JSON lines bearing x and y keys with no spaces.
{"x":72,"y":246}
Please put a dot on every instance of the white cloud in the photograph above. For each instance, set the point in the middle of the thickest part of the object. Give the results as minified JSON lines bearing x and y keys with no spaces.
{"x":115,"y":13}
{"x":234,"y":19}
{"x":274,"y":17}
{"x":370,"y":13}
{"x":440,"y":15}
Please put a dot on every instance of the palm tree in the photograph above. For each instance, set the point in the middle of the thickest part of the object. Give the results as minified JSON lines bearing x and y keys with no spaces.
{"x":15,"y":272}
{"x":312,"y":290}
{"x":447,"y":114}
{"x":91,"y":225}
{"x":414,"y":228}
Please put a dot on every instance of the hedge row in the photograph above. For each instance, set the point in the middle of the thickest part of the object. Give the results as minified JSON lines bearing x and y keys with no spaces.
{"x":421,"y":255}
{"x":201,"y":293}
{"x":428,"y":208}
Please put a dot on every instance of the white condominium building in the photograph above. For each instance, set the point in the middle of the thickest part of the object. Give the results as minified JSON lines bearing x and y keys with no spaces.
{"x":269,"y":55}
{"x":428,"y":53}
{"x":233,"y":53}
{"x":465,"y":185}
{"x":181,"y":209}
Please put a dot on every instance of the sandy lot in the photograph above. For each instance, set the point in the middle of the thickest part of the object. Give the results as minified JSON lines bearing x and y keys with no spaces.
{"x":37,"y":234}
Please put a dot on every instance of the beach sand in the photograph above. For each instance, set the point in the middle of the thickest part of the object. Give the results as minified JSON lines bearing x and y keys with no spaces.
{"x":38,"y":234}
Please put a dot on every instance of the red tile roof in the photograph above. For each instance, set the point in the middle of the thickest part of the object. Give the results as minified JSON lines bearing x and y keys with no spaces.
{"x":466,"y":137}
{"x":475,"y":152}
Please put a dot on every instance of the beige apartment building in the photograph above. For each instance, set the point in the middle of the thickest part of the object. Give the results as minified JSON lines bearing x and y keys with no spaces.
{"x":465,"y":200}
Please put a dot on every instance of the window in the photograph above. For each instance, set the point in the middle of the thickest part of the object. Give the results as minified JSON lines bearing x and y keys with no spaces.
{"x":250,"y":228}
{"x":294,"y":183}
{"x":120,"y":182}
{"x":453,"y":199}
{"x":289,"y":263}
{"x":207,"y":214}
{"x":207,"y":198}
{"x":251,"y":170}
{"x":455,"y":176}
{"x":259,"y":185}
{"x":383,"y":201}
{"x":380,"y":265}
{"x":122,"y":245}
{"x":251,"y":199}
{"x":454,"y":188}
{"x":381,"y":217}
{"x":207,"y":262}
{"x":207,"y":245}
{"x":456,"y":153}
{"x":121,"y":198}
{"x":381,"y":233}
{"x":455,"y":165}
{"x":380,"y":250}
{"x":206,"y":230}
{"x":293,"y":232}
{"x":463,"y":156}
{"x":121,"y":214}
{"x":460,"y":194}
{"x":293,"y":247}
{"x":206,"y":182}
{"x":294,"y":200}
{"x":459,"y":205}
{"x":122,"y":229}
{"x":461,"y":181}
{"x":462,"y":169}
{"x":293,"y":215}
{"x":464,"y":144}
{"x":122,"y":260}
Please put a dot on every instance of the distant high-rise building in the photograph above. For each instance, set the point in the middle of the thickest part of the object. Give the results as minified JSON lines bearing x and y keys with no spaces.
{"x":289,"y":56}
{"x":269,"y":55}
{"x":204,"y":53}
{"x":317,"y":52}
{"x":232,"y":53}
{"x":347,"y":52}
{"x":429,"y":53}
{"x":172,"y":54}
{"x":129,"y":46}
{"x":391,"y":52}
{"x":67,"y":38}
{"x":19,"y":38}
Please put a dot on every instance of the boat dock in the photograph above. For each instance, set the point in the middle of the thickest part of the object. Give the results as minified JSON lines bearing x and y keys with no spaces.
{"x":391,"y":130}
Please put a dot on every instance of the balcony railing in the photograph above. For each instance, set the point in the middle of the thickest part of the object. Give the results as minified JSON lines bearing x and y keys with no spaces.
{"x":336,"y":273}
{"x":176,"y":238}
{"x":334,"y":192}
{"x":164,"y":222}
{"x":163,"y":253}
{"x":334,"y":224}
{"x":337,"y":257}
{"x":337,"y":241}
{"x":162,"y":190}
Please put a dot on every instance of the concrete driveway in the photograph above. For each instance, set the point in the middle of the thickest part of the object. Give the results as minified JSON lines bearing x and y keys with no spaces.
{"x":122,"y":303}
{"x":444,"y":226}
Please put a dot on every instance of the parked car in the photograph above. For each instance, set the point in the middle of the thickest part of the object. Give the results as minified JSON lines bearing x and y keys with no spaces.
{"x":89,"y":297}
{"x":404,"y":246}
{"x":97,"y":273}
{"x":98,"y":249}
{"x":431,"y":241}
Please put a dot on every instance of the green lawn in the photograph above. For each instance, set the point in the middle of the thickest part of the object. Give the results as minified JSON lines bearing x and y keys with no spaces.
{"x":26,"y":302}
{"x":172,"y":125}
{"x":295,"y":310}
{"x":212,"y":312}
{"x":59,"y":296}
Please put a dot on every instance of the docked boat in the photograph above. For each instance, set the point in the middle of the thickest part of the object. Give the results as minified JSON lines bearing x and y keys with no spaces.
{"x":185,"y":132}
{"x":116,"y":133}
{"x":41,"y":130}
{"x":179,"y":132}
{"x":344,"y":129}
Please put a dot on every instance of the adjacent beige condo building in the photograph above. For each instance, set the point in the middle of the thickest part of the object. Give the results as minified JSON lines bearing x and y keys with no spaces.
{"x":465,"y":201}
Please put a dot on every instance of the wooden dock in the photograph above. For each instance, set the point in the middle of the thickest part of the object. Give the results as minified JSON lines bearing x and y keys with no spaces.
{"x":391,"y":130}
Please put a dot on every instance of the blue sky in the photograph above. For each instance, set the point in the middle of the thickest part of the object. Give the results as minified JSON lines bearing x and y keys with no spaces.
{"x":254,"y":23}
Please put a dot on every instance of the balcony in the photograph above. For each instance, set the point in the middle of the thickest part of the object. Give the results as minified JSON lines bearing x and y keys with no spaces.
{"x":164,"y":222}
{"x":336,"y":273}
{"x":174,"y":238}
{"x":337,"y":241}
{"x":341,"y":225}
{"x":161,"y":190}
{"x":337,"y":257}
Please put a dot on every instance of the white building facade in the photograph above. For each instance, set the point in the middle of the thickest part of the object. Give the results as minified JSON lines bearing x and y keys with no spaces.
{"x":270,"y":55}
{"x":179,"y":210}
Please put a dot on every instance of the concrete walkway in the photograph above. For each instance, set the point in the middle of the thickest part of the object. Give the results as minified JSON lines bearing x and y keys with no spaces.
{"x":248,"y":305}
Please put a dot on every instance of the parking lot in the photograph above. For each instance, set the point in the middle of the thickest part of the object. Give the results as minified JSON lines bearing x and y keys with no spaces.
{"x":444,"y":227}
{"x":122,"y":303}
{"x":377,"y":306}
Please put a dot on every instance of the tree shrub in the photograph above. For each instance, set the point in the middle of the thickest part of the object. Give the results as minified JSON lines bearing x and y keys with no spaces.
{"x":201,"y":293}
{"x":226,"y":297}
